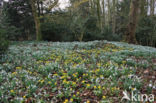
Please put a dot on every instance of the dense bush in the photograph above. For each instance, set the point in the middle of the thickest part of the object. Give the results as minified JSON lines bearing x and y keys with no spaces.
{"x":55,"y":32}
{"x":19,"y":20}
{"x":60,"y":31}
{"x":108,"y":34}
{"x":146,"y":31}
{"x":3,"y":42}
{"x":56,"y":27}
{"x":92,"y":32}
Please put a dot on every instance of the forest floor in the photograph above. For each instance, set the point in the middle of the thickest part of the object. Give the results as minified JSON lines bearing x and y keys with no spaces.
{"x":74,"y":72}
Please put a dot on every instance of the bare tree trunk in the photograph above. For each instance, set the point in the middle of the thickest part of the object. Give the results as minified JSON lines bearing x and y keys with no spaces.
{"x":1,"y":4}
{"x":39,"y":8}
{"x":143,"y":8}
{"x":108,"y":17}
{"x":130,"y":34}
{"x":103,"y":4}
{"x":80,"y":37}
{"x":37,"y":21}
{"x":114,"y":19}
{"x":99,"y":13}
{"x":91,"y":5}
{"x":152,"y":7}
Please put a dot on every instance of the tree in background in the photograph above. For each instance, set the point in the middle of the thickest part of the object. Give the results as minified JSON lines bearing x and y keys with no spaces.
{"x":82,"y":20}
{"x":146,"y":29}
{"x":80,"y":15}
{"x":143,"y":8}
{"x":99,"y":14}
{"x":103,"y":13}
{"x":114,"y":17}
{"x":152,"y":7}
{"x":3,"y":33}
{"x":36,"y":15}
{"x":133,"y":15}
{"x":18,"y":16}
{"x":36,"y":19}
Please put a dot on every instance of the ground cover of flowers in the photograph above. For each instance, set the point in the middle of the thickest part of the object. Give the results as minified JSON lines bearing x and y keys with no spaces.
{"x":74,"y":72}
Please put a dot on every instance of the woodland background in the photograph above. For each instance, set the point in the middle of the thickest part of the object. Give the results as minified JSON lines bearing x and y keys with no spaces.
{"x":132,"y":21}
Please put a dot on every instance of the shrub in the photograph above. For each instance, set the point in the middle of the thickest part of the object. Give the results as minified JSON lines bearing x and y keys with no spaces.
{"x":3,"y":42}
{"x":107,"y":34}
{"x":55,"y":32}
{"x":146,"y":30}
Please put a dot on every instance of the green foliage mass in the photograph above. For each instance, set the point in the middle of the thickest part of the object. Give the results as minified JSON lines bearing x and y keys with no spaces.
{"x":146,"y":31}
{"x":36,"y":70}
{"x":78,"y":23}
{"x":3,"y":42}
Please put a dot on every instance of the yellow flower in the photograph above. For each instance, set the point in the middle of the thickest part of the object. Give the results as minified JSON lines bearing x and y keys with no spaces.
{"x":97,"y":70}
{"x":88,"y":85}
{"x":88,"y":101}
{"x":12,"y":91}
{"x":64,"y":81}
{"x":67,"y":82}
{"x":55,"y":83}
{"x":66,"y":101}
{"x":99,"y":87}
{"x":71,"y":100}
{"x":39,"y":80}
{"x":47,"y":62}
{"x":65,"y":74}
{"x":99,"y":64}
{"x":114,"y":50}
{"x":74,"y":65}
{"x":49,"y":82}
{"x":83,"y":81}
{"x":42,"y":81}
{"x":55,"y":74}
{"x":74,"y":83}
{"x":114,"y":88}
{"x":30,"y":72}
{"x":133,"y":89}
{"x":62,"y":77}
{"x":74,"y":95}
{"x":74,"y":75}
{"x":24,"y":96}
{"x":78,"y":93}
{"x":84,"y":74}
{"x":19,"y":68}
{"x":123,"y":62}
{"x":104,"y":97}
{"x":14,"y":73}
{"x":94,"y":87}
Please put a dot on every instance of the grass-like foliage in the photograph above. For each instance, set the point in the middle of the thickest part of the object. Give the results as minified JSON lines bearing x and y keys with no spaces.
{"x":89,"y":72}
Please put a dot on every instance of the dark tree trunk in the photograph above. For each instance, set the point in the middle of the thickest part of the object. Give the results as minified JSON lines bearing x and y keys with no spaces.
{"x":103,"y":5}
{"x":41,"y":8}
{"x":143,"y":8}
{"x":114,"y":17}
{"x":152,"y":7}
{"x":37,"y":21}
{"x":38,"y":7}
{"x":131,"y":28}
